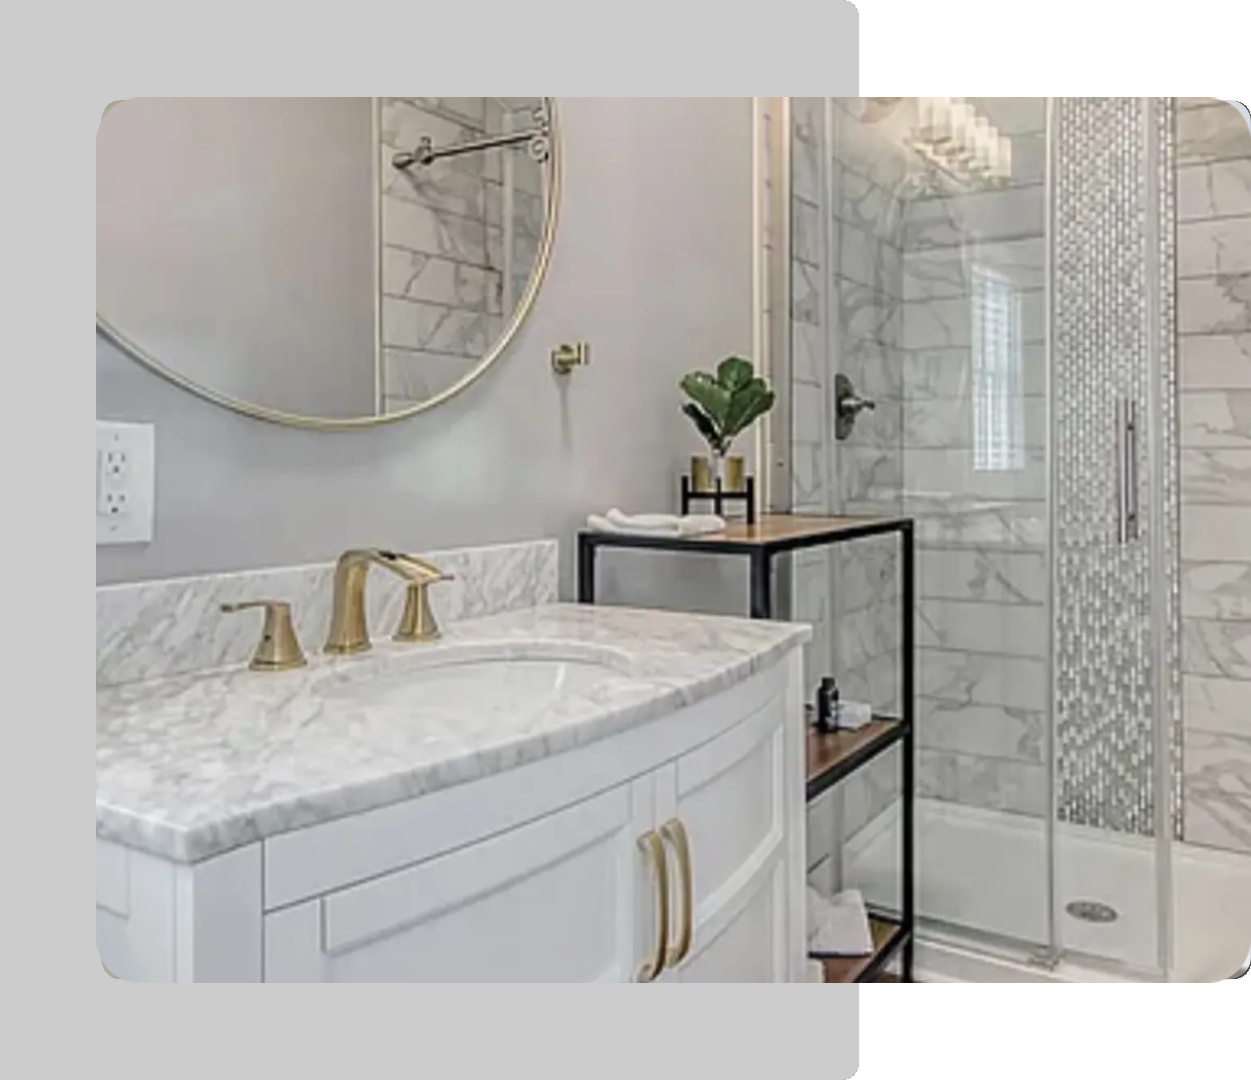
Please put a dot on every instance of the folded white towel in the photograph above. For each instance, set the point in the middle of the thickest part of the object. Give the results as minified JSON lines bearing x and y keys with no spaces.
{"x":655,"y":524}
{"x":658,"y":522}
{"x":838,"y":925}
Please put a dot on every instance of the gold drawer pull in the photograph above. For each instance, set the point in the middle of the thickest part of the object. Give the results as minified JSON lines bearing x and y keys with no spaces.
{"x":675,"y":832}
{"x":652,"y":846}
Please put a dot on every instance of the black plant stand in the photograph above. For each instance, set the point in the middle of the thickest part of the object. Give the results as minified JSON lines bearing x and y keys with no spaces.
{"x":719,"y":497}
{"x":831,"y":756}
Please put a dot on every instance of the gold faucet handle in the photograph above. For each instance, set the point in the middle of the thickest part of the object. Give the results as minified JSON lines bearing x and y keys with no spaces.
{"x":417,"y":623}
{"x":279,"y":648}
{"x":429,"y":573}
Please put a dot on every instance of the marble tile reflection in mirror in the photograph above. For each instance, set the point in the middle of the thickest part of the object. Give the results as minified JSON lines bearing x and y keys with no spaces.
{"x":269,"y":253}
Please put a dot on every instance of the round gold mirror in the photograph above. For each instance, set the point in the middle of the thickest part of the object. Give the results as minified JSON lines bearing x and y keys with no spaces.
{"x":323,"y":262}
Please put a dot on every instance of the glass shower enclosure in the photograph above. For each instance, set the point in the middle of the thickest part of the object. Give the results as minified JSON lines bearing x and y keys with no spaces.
{"x":984,"y":338}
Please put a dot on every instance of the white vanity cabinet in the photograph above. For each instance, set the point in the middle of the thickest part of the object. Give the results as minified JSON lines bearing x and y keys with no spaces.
{"x":550,"y":871}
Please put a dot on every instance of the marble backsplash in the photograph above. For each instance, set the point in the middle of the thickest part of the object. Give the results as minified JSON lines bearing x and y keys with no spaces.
{"x":153,"y":629}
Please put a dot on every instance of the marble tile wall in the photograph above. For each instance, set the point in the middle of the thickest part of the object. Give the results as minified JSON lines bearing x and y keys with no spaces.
{"x":1214,"y":315}
{"x":153,"y":629}
{"x":847,"y":289}
{"x":847,"y":273}
{"x":982,"y":627}
{"x":867,"y":286}
{"x":450,"y":275}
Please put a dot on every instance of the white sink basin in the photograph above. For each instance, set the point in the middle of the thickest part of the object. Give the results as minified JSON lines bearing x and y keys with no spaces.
{"x":478,"y":678}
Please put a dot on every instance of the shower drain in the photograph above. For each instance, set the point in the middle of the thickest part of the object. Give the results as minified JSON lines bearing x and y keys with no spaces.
{"x":1092,"y":911}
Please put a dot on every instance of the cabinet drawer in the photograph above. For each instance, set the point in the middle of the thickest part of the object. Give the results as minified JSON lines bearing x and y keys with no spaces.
{"x":549,"y":901}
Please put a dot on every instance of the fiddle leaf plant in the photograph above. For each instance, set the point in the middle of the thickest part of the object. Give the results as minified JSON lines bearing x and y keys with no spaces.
{"x":724,"y":405}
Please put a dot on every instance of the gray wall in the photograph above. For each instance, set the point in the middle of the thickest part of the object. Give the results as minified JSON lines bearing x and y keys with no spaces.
{"x":652,"y":266}
{"x":236,"y":241}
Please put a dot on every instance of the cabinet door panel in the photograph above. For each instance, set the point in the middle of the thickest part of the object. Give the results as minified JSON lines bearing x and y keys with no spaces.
{"x":729,"y":799}
{"x":554,"y":900}
{"x":729,"y":796}
{"x":746,"y":947}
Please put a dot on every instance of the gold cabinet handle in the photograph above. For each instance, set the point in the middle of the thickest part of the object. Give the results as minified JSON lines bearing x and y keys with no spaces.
{"x":652,"y":846}
{"x":675,"y":833}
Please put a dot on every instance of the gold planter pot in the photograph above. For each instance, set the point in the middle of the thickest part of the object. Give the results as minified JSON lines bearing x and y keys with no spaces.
{"x":705,"y":471}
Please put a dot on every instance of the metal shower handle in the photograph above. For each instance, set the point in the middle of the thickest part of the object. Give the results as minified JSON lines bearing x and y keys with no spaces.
{"x":1131,"y":468}
{"x":1127,"y":470}
{"x":847,"y":406}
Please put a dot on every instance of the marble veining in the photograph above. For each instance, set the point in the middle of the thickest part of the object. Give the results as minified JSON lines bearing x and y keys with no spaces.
{"x":981,"y":679}
{"x":1217,"y":647}
{"x":1217,"y":418}
{"x":1214,"y":256}
{"x":1216,"y":476}
{"x":1216,"y":190}
{"x":990,"y":783}
{"x":869,"y":792}
{"x":1212,"y":133}
{"x":1215,"y":362}
{"x":153,"y":629}
{"x":1218,"y":790}
{"x":1000,"y":577}
{"x":193,"y":766}
{"x":974,"y":626}
{"x":1216,"y":705}
{"x":994,"y":731}
{"x":948,"y":519}
{"x":1215,"y":305}
{"x":1215,"y":246}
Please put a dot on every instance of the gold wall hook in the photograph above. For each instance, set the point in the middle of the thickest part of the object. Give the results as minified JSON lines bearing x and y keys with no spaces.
{"x":279,"y":648}
{"x":567,"y":357}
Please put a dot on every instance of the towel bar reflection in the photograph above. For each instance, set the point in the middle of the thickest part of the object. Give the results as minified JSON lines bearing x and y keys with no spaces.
{"x":538,"y":138}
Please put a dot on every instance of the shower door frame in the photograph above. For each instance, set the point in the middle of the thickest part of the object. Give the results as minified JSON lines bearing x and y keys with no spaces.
{"x":1163,"y":763}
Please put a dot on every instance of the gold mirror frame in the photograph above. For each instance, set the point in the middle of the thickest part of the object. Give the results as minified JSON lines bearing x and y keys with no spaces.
{"x":276,"y":416}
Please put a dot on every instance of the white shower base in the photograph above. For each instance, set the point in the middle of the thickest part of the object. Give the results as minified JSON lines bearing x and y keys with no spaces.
{"x":986,"y":872}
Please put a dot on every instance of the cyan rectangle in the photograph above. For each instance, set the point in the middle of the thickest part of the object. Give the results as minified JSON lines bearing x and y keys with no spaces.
{"x":998,"y":1024}
{"x":928,"y":1024}
{"x":1072,"y":1024}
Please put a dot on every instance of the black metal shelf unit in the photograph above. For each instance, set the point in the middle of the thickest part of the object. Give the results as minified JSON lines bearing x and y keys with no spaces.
{"x":833,"y":756}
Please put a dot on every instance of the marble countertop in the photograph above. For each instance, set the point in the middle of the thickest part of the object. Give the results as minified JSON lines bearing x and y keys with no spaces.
{"x":192,"y":766}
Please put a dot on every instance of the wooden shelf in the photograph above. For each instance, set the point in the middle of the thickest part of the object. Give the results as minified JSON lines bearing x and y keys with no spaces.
{"x":887,"y":937}
{"x":783,"y":528}
{"x":770,"y":534}
{"x":831,"y":757}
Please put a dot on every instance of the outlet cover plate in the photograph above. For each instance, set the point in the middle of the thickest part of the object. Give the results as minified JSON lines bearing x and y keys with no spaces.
{"x":125,"y":482}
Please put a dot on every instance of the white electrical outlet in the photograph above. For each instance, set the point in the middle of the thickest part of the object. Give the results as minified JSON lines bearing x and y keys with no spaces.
{"x":125,"y":482}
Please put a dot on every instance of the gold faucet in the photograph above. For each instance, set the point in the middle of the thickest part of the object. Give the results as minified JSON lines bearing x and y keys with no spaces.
{"x":348,"y":630}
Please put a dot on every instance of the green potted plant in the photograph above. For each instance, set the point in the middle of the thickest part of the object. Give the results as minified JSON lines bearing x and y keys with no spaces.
{"x":722,"y":407}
